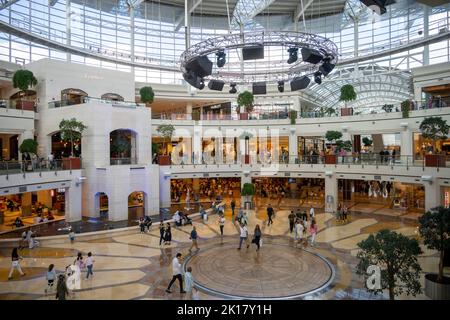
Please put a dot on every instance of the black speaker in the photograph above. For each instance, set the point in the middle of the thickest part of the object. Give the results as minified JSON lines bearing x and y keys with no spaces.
{"x":259,"y":88}
{"x":201,"y":66}
{"x":326,"y":68}
{"x":311,"y":55}
{"x":194,"y":80}
{"x":378,"y":6}
{"x":253,"y":53}
{"x":216,"y":85}
{"x":300,"y":83}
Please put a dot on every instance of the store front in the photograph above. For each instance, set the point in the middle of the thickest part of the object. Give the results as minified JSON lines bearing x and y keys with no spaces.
{"x":423,"y":146}
{"x":311,"y":147}
{"x":445,"y":197}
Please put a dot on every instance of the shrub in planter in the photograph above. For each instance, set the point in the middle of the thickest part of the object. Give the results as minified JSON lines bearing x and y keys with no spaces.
{"x":367,"y":142}
{"x":405,"y":106}
{"x":396,"y":257}
{"x":24,"y":79}
{"x":147,"y":95}
{"x":166,"y":131}
{"x":347,"y":94}
{"x":248,"y":191}
{"x":245,"y":99}
{"x":293,"y":116}
{"x":434,"y":227}
{"x":196,"y":115}
{"x":434,"y":129}
{"x":71,"y":130}
{"x":333,"y":135}
{"x":28,"y":146}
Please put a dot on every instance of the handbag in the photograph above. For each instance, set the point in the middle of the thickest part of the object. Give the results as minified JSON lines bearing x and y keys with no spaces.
{"x":260,"y":242}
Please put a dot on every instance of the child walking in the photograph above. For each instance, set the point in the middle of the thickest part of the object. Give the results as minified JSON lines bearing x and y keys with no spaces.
{"x":89,"y":265}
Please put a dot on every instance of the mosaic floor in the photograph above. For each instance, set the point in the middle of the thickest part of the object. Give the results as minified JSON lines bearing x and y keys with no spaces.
{"x":136,"y":267}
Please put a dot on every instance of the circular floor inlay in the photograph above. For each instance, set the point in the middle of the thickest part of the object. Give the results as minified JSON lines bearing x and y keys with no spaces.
{"x":276,"y":272}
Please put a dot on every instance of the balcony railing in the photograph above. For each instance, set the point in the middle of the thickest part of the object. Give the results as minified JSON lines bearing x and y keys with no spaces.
{"x":361,"y":159}
{"x":29,"y":166}
{"x":65,"y":103}
{"x":28,"y":105}
{"x":121,"y":161}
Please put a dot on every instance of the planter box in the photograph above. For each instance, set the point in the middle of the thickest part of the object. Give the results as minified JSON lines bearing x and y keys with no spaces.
{"x":243,"y":116}
{"x":435,"y":160}
{"x":330,"y":159}
{"x":164,"y":160}
{"x":71,"y":163}
{"x":25,"y":105}
{"x":435,"y":290}
{"x":346,"y":111}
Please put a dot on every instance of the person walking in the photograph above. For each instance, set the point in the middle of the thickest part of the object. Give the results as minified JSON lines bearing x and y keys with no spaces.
{"x":299,"y":228}
{"x":89,"y":265}
{"x":79,"y":261}
{"x":243,"y":235}
{"x":61,"y":288}
{"x":269,"y":214}
{"x":233,"y":206}
{"x":194,"y":237}
{"x":313,"y":231}
{"x":291,"y":218}
{"x":177,"y":273}
{"x":167,"y":234}
{"x":50,"y":276}
{"x":161,"y":232}
{"x":189,"y":282}
{"x":221,"y":224}
{"x":344,"y":213}
{"x":244,"y":219}
{"x":312,"y":213}
{"x":15,"y":264}
{"x":257,"y":237}
{"x":240,"y":214}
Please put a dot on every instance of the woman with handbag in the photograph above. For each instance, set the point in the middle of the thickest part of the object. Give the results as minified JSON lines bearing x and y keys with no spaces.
{"x":15,"y":264}
{"x":167,"y":234}
{"x":257,"y":237}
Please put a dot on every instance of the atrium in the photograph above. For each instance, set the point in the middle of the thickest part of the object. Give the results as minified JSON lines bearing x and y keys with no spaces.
{"x":237,"y":149}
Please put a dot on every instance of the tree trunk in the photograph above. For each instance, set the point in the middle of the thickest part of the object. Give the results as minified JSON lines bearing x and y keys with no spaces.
{"x":441,"y":266}
{"x":71,"y":147}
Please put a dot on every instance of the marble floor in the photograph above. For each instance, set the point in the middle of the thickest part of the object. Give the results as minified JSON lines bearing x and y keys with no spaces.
{"x":135,"y":266}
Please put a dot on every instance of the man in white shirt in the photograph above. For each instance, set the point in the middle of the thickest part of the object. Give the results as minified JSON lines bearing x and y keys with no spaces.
{"x":243,"y":235}
{"x":311,"y":213}
{"x":177,"y":273}
{"x":177,"y":219}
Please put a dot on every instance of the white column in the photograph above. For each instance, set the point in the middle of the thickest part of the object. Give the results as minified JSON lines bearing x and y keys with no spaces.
{"x":73,"y":202}
{"x":331,"y":193}
{"x":118,"y":205}
{"x":293,"y":145}
{"x":406,"y":143}
{"x":197,"y":145}
{"x":219,"y":149}
{"x":164,"y":187}
{"x":189,"y":111}
{"x":426,"y":33}
{"x":432,"y":194}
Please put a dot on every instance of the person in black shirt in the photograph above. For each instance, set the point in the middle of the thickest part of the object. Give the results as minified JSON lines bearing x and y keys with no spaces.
{"x":269,"y":214}
{"x":291,"y":218}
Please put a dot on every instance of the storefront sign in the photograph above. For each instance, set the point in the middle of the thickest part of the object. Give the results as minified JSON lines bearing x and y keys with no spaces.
{"x":376,"y":177}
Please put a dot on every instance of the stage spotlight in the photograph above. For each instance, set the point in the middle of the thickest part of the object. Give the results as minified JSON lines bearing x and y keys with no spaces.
{"x":293,"y":55}
{"x":281,"y":86}
{"x":318,"y":77}
{"x":221,"y":58}
{"x":202,"y":84}
{"x":233,"y":89}
{"x":326,"y":67}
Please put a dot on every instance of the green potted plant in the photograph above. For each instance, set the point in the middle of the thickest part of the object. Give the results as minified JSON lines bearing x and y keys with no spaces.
{"x":434,"y":129}
{"x":196,"y":114}
{"x":166,"y":131}
{"x":347,"y":94}
{"x":147,"y":95}
{"x":120,"y":148}
{"x":395,"y":256}
{"x":247,"y":193}
{"x":28,"y":146}
{"x":388,"y":108}
{"x":434,"y":227}
{"x":71,"y":130}
{"x":24,"y":79}
{"x":367,"y":142}
{"x":332,"y":137}
{"x":293,"y":116}
{"x":405,"y":107}
{"x":246,"y":136}
{"x":245,"y":99}
{"x":330,"y":111}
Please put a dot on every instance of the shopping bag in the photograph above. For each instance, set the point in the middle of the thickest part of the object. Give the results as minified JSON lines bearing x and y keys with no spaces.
{"x":260,"y":242}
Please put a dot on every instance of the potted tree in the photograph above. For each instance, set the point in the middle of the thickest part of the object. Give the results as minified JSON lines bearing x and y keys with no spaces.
{"x":71,"y":131}
{"x":120,"y":148}
{"x":147,"y":95}
{"x":166,"y":131}
{"x":405,"y":107}
{"x":247,"y":193}
{"x":245,"y":99}
{"x":347,"y":94}
{"x":24,"y":79}
{"x":332,"y":137}
{"x":434,"y":227}
{"x":28,"y":147}
{"x":293,"y":116}
{"x":196,"y":114}
{"x":330,"y":111}
{"x":246,"y":136}
{"x":395,"y":256}
{"x":434,"y":129}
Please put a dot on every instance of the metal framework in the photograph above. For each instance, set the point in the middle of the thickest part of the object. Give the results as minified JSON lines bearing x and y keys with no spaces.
{"x":244,"y":72}
{"x":246,"y":10}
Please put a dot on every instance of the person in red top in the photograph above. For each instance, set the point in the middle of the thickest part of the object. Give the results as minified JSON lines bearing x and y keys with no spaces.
{"x":313,"y":231}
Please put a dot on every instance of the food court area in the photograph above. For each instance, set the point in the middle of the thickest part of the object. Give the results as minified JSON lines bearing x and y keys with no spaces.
{"x":31,"y":208}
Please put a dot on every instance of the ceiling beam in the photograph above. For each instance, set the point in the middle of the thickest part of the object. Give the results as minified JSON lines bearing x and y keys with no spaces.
{"x":301,"y":8}
{"x":180,"y":19}
{"x":6,"y":3}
